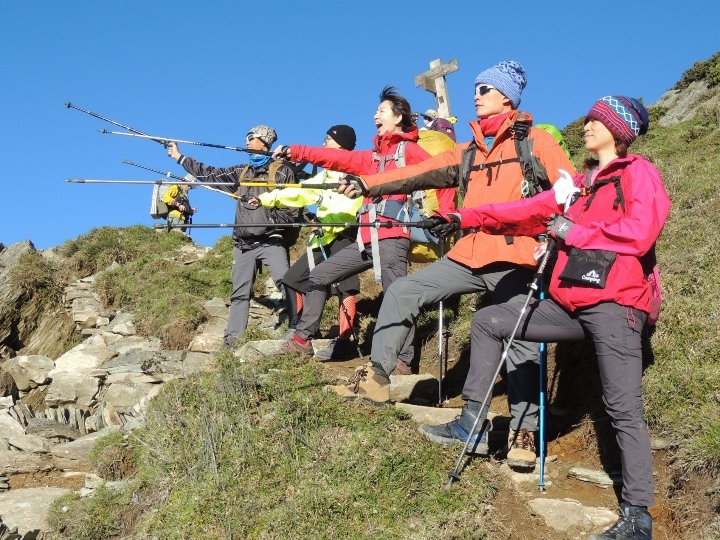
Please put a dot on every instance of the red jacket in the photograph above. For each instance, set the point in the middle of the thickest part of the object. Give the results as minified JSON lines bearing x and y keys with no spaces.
{"x":361,"y":162}
{"x":630,"y":232}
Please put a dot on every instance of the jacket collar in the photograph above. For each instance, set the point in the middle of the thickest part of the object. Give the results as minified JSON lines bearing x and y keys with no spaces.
{"x":387,"y":140}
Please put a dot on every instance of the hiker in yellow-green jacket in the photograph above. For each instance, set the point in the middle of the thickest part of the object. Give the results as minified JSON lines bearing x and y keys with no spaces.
{"x":330,"y":207}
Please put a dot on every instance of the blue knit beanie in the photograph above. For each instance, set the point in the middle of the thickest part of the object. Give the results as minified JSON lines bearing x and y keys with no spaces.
{"x":508,"y":77}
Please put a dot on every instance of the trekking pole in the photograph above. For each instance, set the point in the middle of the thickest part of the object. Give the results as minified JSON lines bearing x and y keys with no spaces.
{"x":534,"y":286}
{"x":166,"y":140}
{"x":336,"y":288}
{"x":200,"y":183}
{"x":541,"y":405}
{"x":160,"y":182}
{"x":373,"y":224}
{"x":113,"y":122}
{"x":441,"y":336}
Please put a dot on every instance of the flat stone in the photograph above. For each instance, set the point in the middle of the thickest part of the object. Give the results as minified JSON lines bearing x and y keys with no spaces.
{"x":29,"y":443}
{"x":429,"y":415}
{"x":74,"y":456}
{"x":658,"y":443}
{"x":567,"y":515}
{"x":82,"y":360}
{"x":217,"y":307}
{"x":50,"y":429}
{"x":407,"y":387}
{"x":29,"y":371}
{"x":68,"y":387}
{"x":14,"y":462}
{"x":27,"y":508}
{"x":599,"y":478}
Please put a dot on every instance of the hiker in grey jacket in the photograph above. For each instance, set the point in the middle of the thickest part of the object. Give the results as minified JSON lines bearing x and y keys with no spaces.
{"x":256,"y":239}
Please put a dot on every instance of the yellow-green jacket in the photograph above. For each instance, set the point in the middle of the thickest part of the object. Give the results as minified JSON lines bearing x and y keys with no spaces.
{"x":332,"y":207}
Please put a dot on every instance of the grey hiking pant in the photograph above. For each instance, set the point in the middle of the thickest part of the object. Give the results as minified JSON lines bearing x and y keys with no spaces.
{"x":616,"y":332}
{"x":348,"y":262}
{"x":274,"y":255}
{"x":444,"y":279}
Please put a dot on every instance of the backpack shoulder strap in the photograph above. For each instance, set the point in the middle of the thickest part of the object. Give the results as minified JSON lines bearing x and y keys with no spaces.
{"x":399,"y":156}
{"x":619,"y":197}
{"x":534,"y":172}
{"x":273,"y":169}
{"x":466,"y":165}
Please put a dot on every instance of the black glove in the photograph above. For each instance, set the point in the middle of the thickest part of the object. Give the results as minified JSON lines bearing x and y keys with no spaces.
{"x":357,"y":185}
{"x":559,"y":226}
{"x":442,"y":226}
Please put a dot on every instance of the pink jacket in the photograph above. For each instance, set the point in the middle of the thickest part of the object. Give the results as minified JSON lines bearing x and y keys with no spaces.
{"x":361,"y":162}
{"x":630,"y":232}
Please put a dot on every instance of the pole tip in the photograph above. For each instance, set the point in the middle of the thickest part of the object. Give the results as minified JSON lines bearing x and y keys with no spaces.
{"x":75,"y":180}
{"x":68,"y":104}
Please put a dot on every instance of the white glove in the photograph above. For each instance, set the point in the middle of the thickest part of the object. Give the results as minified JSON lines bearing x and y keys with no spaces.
{"x":564,"y":189}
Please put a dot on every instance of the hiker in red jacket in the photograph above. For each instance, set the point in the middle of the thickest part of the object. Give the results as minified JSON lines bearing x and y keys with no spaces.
{"x":602,"y":285}
{"x":386,"y":248}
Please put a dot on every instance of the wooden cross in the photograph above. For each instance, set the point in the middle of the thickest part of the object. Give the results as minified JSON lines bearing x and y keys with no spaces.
{"x":433,"y":81}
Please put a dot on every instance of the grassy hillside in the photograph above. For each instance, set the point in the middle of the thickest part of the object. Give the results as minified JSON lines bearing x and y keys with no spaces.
{"x":260,"y":452}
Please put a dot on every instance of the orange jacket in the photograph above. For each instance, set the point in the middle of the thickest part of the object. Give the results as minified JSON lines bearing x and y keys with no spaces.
{"x":498,"y":183}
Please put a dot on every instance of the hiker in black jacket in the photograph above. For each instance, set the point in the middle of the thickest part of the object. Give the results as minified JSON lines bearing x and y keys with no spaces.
{"x":257,"y":239}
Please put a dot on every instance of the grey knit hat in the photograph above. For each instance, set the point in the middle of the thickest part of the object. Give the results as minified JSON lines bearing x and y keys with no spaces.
{"x":265,"y":133}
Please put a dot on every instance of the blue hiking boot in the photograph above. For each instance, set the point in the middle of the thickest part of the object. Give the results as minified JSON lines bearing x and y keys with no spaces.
{"x":635,"y":523}
{"x":454,"y":433}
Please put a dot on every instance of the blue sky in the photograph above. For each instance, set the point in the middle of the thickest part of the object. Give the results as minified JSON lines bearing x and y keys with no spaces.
{"x":207,"y":71}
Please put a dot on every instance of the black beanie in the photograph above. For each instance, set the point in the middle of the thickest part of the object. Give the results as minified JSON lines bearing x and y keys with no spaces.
{"x":343,"y":135}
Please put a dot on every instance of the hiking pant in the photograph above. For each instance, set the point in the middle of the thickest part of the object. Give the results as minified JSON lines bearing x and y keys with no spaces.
{"x":444,"y":279}
{"x":298,"y":276}
{"x":175,"y":222}
{"x":274,"y":255}
{"x":616,"y":332}
{"x":348,"y":262}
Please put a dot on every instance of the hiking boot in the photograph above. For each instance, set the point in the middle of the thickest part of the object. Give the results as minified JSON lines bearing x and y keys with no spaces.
{"x":454,"y":432}
{"x":401,"y":368}
{"x":368,"y":383}
{"x":339,"y":348}
{"x":635,"y":523}
{"x":293,"y":346}
{"x":521,"y":448}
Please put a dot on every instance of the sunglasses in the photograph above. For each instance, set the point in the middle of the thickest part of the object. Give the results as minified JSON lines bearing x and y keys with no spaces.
{"x":249,"y":137}
{"x":482,"y":89}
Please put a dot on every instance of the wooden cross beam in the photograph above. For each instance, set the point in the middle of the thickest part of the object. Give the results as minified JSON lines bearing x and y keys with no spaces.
{"x":433,"y":81}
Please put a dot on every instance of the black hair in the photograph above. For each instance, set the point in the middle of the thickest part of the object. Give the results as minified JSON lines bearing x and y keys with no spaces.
{"x":400,"y":106}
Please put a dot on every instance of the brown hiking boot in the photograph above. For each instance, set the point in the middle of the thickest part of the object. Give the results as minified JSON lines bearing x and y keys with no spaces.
{"x":401,"y":368}
{"x":367,"y":383}
{"x":521,"y":449}
{"x":293,"y":346}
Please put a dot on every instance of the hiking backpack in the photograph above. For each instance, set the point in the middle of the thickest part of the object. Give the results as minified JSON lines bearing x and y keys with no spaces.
{"x":158,"y":208}
{"x":290,"y":234}
{"x":420,"y":204}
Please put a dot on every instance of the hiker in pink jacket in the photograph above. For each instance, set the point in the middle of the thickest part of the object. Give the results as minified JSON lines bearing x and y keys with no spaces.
{"x":605,"y":223}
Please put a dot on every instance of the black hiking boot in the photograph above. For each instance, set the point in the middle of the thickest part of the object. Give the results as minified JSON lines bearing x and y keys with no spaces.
{"x":635,"y":523}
